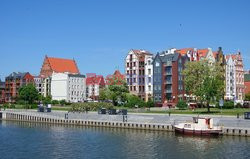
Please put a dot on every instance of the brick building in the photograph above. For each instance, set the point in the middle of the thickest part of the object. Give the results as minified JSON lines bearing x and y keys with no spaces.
{"x":15,"y":81}
{"x":117,"y":77}
{"x":58,"y":65}
{"x":2,"y":91}
{"x":53,"y":65}
{"x":247,"y":82}
{"x":168,"y":81}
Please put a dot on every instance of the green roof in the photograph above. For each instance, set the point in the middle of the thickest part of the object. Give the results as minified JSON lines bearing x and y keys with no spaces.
{"x":247,"y":77}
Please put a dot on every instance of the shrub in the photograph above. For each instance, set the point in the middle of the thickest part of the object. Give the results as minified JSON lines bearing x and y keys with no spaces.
{"x":228,"y":105}
{"x":62,"y":102}
{"x":82,"y":107}
{"x":21,"y":102}
{"x":181,"y":104}
{"x":150,"y":103}
{"x":133,"y":101}
{"x":54,"y":102}
{"x":6,"y":105}
{"x":12,"y":106}
{"x":238,"y":105}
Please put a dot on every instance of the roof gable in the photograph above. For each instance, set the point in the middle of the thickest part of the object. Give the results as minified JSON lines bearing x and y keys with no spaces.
{"x":63,"y":65}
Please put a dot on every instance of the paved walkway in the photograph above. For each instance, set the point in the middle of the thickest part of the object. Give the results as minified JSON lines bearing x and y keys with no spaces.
{"x":226,"y":121}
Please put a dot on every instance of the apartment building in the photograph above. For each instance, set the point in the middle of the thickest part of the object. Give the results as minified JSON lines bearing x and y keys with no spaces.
{"x":69,"y":87}
{"x":93,"y":85}
{"x":138,"y":65}
{"x":168,"y":84}
{"x":15,"y":81}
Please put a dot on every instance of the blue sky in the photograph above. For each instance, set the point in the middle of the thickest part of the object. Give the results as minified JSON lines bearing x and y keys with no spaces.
{"x":99,"y":33}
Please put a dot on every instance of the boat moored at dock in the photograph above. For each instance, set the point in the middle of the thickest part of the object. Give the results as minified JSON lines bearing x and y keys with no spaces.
{"x":199,"y":126}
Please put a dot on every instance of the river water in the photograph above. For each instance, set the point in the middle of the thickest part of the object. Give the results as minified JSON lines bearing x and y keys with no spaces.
{"x":44,"y":141}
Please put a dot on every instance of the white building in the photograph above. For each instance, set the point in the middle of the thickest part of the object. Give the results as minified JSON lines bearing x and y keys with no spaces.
{"x":69,"y":87}
{"x":230,"y":78}
{"x":43,"y":85}
{"x":148,"y":77}
{"x":235,"y":78}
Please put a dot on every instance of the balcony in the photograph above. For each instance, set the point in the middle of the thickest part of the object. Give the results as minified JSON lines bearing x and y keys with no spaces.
{"x":168,"y":90}
{"x":168,"y":72}
{"x":168,"y":82}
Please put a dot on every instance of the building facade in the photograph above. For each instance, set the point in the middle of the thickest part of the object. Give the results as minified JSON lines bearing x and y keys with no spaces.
{"x":235,"y":89}
{"x":239,"y":73}
{"x":2,"y":91}
{"x":50,"y":66}
{"x":15,"y":81}
{"x":43,"y":85}
{"x":138,"y":65}
{"x":69,"y":87}
{"x":168,"y":85}
{"x":58,"y":65}
{"x":93,"y":85}
{"x":230,"y":74}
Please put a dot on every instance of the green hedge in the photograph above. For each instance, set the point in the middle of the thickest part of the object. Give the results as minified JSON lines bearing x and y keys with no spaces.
{"x":182,"y":104}
{"x":228,"y":105}
{"x":91,"y":106}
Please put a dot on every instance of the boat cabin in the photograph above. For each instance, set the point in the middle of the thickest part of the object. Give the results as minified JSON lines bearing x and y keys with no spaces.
{"x":203,"y":122}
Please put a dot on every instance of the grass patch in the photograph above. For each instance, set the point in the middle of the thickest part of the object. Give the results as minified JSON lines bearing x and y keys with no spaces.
{"x":213,"y":111}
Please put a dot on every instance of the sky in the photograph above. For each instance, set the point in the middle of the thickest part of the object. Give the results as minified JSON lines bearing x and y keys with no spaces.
{"x":99,"y":33}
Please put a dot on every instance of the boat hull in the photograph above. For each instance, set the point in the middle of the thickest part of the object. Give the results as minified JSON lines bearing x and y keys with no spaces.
{"x":197,"y":132}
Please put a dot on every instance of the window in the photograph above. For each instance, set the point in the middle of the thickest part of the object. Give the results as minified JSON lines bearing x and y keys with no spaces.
{"x":134,"y":88}
{"x":134,"y":64}
{"x":149,"y":71}
{"x":149,"y":88}
{"x":149,"y":79}
{"x":149,"y":62}
{"x":127,"y":64}
{"x":134,"y":80}
{"x":127,"y":72}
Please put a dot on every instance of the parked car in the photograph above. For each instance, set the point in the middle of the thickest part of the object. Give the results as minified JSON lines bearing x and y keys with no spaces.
{"x":246,"y":104}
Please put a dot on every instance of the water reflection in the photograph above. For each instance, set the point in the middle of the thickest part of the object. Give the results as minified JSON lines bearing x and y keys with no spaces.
{"x":69,"y":141}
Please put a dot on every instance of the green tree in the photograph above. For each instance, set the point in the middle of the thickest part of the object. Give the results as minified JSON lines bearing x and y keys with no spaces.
{"x":133,"y":100}
{"x":247,"y":97}
{"x":204,"y":80}
{"x":28,"y":93}
{"x":116,"y":92}
{"x":181,"y":104}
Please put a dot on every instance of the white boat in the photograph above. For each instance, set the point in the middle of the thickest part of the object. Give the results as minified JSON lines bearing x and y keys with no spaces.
{"x":199,"y":126}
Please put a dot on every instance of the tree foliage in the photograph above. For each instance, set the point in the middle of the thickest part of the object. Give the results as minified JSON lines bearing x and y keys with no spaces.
{"x":133,"y":100}
{"x":247,"y":97}
{"x":116,"y":92}
{"x":28,"y":93}
{"x":181,"y":104}
{"x":205,"y":81}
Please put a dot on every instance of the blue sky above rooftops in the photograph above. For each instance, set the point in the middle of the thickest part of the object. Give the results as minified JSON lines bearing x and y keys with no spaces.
{"x":98,"y":34}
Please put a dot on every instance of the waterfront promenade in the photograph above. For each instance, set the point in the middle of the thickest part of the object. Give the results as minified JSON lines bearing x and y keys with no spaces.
{"x":142,"y":118}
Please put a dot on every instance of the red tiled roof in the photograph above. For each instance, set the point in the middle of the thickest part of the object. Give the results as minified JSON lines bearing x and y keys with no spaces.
{"x":184,"y":51}
{"x":99,"y":80}
{"x":202,"y":52}
{"x":247,"y":85}
{"x":63,"y":65}
{"x":141,"y":52}
{"x":215,"y":54}
{"x":117,"y":75}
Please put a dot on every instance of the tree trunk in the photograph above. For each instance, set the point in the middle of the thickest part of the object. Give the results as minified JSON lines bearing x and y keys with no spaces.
{"x":208,"y":107}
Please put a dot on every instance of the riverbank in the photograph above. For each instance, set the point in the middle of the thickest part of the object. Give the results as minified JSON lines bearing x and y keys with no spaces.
{"x":159,"y":122}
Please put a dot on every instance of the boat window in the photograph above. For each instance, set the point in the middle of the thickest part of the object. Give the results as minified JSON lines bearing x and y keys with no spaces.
{"x":187,"y":126}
